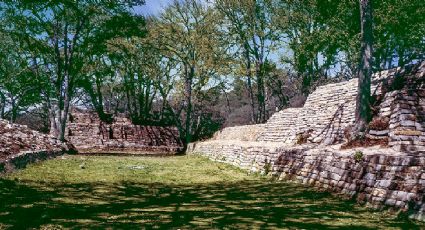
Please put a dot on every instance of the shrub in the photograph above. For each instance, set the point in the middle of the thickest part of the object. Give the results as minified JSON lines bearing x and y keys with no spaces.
{"x":358,"y":156}
{"x":267,"y":167}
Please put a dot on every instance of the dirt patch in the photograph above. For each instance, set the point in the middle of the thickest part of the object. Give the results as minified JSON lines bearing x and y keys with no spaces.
{"x":379,"y":123}
{"x":366,"y":142}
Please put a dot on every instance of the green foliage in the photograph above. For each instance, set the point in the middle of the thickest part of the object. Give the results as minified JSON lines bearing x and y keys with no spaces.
{"x":358,"y":156}
{"x":59,"y":40}
{"x":251,"y":37}
{"x":267,"y":167}
{"x":324,"y":33}
{"x":19,"y":86}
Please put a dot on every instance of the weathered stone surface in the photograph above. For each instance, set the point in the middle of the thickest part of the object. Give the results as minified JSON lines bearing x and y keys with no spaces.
{"x":89,"y":135}
{"x":20,"y":145}
{"x":384,"y":177}
{"x":240,"y":133}
{"x":330,"y":109}
{"x":381,"y":176}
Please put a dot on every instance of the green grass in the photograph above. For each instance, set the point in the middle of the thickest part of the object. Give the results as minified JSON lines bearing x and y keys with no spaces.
{"x":186,"y":192}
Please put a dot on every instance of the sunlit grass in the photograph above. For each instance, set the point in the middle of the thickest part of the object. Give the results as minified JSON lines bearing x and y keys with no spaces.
{"x":186,"y":192}
{"x":113,"y":169}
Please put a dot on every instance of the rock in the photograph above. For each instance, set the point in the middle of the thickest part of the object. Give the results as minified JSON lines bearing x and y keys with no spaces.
{"x":136,"y":167}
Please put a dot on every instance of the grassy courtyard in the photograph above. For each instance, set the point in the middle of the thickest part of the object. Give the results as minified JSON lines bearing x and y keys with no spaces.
{"x":184,"y":192}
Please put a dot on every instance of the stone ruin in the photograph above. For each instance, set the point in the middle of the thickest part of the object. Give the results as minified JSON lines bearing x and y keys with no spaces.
{"x":88,"y":134}
{"x":20,"y":145}
{"x":330,"y":109}
{"x":304,"y":144}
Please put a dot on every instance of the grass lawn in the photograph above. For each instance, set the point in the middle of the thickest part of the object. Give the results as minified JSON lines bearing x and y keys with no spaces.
{"x":185,"y":192}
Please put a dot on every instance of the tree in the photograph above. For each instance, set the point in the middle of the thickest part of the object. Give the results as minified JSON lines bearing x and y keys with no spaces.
{"x":365,"y":69}
{"x":187,"y":33}
{"x":19,"y":87}
{"x":249,"y":25}
{"x":136,"y":62}
{"x":305,"y":27}
{"x":399,"y":32}
{"x":60,"y":36}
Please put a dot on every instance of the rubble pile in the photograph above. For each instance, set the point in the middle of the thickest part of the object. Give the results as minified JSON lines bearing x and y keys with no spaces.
{"x":16,"y":138}
{"x":20,"y":145}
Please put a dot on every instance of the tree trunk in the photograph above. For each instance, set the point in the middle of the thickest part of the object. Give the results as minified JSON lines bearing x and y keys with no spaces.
{"x":249,"y":83}
{"x":401,"y":53}
{"x":2,"y":105}
{"x":188,"y":104}
{"x":98,"y":103}
{"x":53,"y":108}
{"x":64,"y":120}
{"x":14,"y":110}
{"x":365,"y":69}
{"x":229,"y":110}
{"x":65,"y":110}
{"x":261,"y":93}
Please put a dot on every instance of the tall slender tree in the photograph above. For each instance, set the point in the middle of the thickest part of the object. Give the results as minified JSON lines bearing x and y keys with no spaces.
{"x":365,"y":69}
{"x":187,"y":32}
{"x":249,"y":25}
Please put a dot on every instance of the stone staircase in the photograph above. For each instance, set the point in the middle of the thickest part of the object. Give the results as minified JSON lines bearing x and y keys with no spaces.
{"x":325,"y":111}
{"x":280,"y":127}
{"x":240,"y":133}
{"x":328,"y":111}
{"x":392,"y":176}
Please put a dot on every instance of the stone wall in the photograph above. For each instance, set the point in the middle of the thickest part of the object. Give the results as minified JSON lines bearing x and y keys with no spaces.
{"x":407,"y":121}
{"x":377,"y":175}
{"x":89,"y":135}
{"x":20,"y":146}
{"x":280,"y":127}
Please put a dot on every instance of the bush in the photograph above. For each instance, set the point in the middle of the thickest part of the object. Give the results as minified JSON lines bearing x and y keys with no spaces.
{"x":358,"y":156}
{"x":267,"y":167}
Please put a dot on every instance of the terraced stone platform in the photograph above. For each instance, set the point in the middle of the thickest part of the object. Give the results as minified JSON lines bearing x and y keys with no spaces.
{"x":392,"y":175}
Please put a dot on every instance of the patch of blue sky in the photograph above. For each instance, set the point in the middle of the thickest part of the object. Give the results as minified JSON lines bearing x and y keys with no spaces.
{"x":152,"y":7}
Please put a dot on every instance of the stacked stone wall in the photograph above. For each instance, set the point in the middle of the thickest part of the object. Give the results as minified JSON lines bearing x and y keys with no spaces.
{"x":90,"y":135}
{"x":20,"y":146}
{"x":378,"y":177}
{"x":280,"y":127}
{"x":407,"y":121}
{"x":328,"y":111}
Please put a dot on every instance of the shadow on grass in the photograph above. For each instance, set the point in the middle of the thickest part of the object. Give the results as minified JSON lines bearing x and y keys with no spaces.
{"x":242,"y":205}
